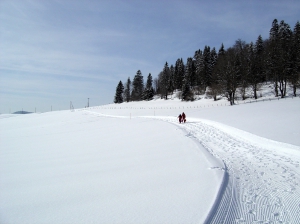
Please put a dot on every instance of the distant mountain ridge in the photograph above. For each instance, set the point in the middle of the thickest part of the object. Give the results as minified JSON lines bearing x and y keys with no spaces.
{"x":22,"y":112}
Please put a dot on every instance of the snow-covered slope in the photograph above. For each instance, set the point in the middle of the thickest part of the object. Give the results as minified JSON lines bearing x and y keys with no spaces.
{"x":134,"y":163}
{"x":65,"y":167}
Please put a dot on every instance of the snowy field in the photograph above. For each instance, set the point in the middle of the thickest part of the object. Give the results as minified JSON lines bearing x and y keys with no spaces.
{"x":134,"y":163}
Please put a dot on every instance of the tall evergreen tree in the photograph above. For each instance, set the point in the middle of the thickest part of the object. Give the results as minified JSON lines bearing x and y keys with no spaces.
{"x":251,"y":65}
{"x":213,"y":61}
{"x":214,"y":86}
{"x":190,"y":72}
{"x":213,"y":58}
{"x":119,"y":93}
{"x":295,"y":59}
{"x":206,"y":75}
{"x":159,"y":84}
{"x":256,"y":76}
{"x":165,"y":80}
{"x":149,"y":91}
{"x":171,"y":86}
{"x":137,"y":87}
{"x":178,"y":74}
{"x":274,"y":55}
{"x":187,"y":94}
{"x":285,"y":40}
{"x":241,"y":49}
{"x":199,"y":65}
{"x":127,"y":90}
{"x":156,"y":85}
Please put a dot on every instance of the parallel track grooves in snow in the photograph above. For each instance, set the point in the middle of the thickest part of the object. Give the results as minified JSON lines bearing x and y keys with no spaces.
{"x":262,"y":185}
{"x":261,"y":182}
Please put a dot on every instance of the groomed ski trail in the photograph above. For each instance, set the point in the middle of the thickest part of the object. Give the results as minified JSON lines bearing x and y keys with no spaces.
{"x":261,"y":184}
{"x":261,"y":180}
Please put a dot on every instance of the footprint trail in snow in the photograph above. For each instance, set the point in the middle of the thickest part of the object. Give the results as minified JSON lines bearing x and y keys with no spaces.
{"x":261,"y":184}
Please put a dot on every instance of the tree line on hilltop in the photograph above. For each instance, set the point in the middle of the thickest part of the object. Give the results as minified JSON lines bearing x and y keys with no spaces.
{"x":242,"y":66}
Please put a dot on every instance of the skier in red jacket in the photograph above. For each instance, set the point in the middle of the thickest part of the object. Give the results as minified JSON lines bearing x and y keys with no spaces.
{"x":183,"y":117}
{"x":180,"y":118}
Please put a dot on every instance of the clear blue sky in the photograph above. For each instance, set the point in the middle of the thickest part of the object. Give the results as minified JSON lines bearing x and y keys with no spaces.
{"x":56,"y":51}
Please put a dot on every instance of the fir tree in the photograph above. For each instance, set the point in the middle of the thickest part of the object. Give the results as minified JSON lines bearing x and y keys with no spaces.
{"x":159,"y":84}
{"x":119,"y":93}
{"x":274,"y":55}
{"x":171,"y":86}
{"x":149,"y":91}
{"x":190,"y":72}
{"x":251,"y":64}
{"x":178,"y":74}
{"x":164,"y":81}
{"x":193,"y":76}
{"x":206,"y":66}
{"x":256,"y":76}
{"x":213,"y":58}
{"x":137,"y":87}
{"x":295,"y":59}
{"x":127,"y":90}
{"x":187,"y":94}
{"x":199,"y":65}
{"x":285,"y":39}
{"x":156,"y":85}
{"x":214,"y":89}
{"x":241,"y":49}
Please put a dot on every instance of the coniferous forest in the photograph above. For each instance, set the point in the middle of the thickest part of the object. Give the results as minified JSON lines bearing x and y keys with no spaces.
{"x":224,"y":71}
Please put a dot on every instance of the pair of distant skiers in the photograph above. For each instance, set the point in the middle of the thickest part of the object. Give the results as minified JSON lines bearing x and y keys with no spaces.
{"x":182,"y":117}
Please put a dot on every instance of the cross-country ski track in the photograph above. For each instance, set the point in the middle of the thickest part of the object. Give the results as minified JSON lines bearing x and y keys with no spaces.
{"x":260,"y":182}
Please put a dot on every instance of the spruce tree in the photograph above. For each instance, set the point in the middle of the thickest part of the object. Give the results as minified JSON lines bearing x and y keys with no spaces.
{"x":159,"y":84}
{"x":257,"y":73}
{"x":137,"y":87}
{"x":285,"y":39}
{"x":149,"y":91}
{"x":214,"y":87}
{"x":273,"y":55}
{"x":241,"y":49}
{"x":206,"y":75}
{"x":295,"y":59}
{"x":176,"y":78}
{"x":165,"y":81}
{"x":171,"y":86}
{"x":192,"y":71}
{"x":127,"y":90}
{"x":178,"y":74}
{"x":218,"y":73}
{"x":199,"y":64}
{"x":213,"y":59}
{"x":189,"y":72}
{"x":119,"y":93}
{"x":187,"y":94}
{"x":251,"y":65}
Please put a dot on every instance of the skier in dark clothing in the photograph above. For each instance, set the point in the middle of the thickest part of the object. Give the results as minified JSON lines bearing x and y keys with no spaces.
{"x":183,"y":117}
{"x":180,"y":118}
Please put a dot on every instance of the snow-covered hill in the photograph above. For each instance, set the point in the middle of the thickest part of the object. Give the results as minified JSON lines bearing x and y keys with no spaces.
{"x":134,"y":163}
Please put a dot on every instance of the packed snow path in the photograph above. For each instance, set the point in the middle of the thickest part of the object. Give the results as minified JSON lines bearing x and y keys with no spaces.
{"x":261,"y":184}
{"x":261,"y":181}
